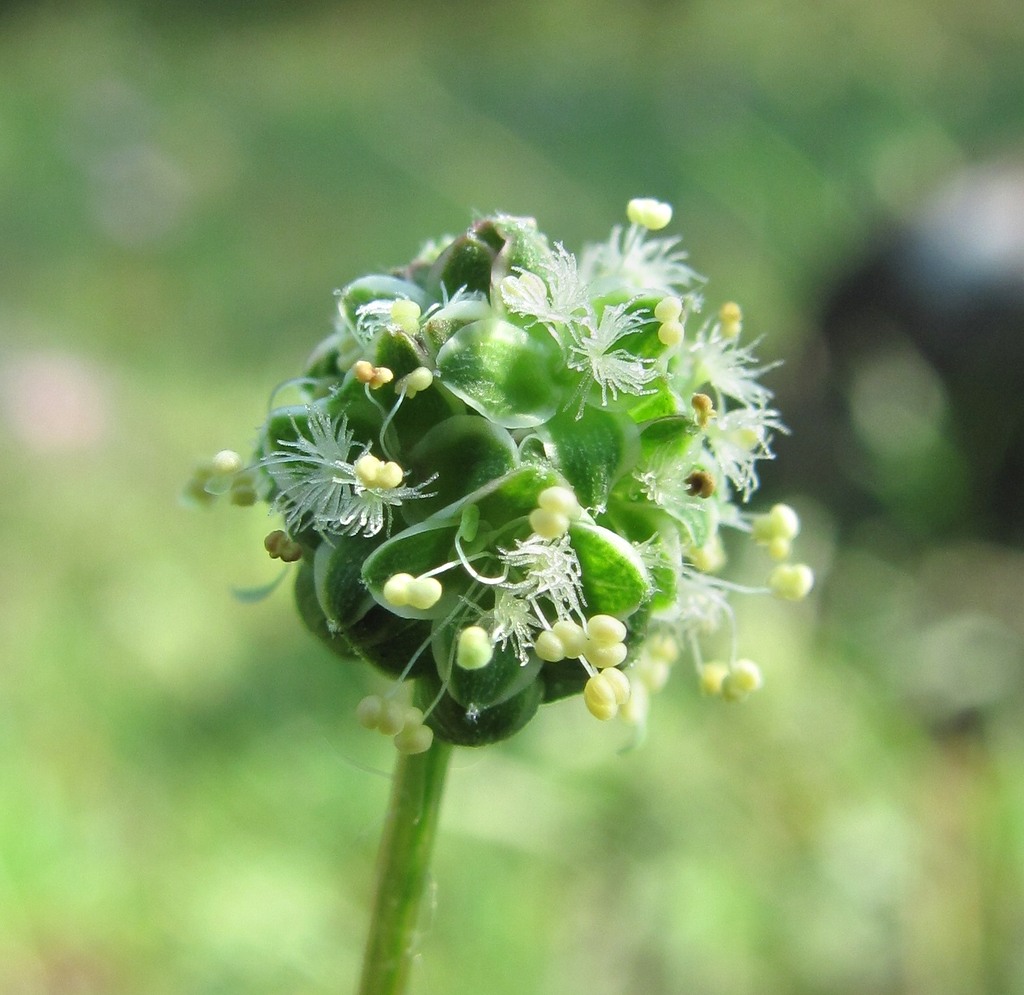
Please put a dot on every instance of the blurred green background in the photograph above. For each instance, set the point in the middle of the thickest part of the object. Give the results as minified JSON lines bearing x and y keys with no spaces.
{"x":186,"y":804}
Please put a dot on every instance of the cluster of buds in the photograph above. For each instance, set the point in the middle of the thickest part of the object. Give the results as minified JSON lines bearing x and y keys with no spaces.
{"x":559,"y":457}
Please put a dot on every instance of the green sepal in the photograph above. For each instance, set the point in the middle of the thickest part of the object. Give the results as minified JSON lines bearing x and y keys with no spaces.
{"x":695,"y":520}
{"x":661,"y":403}
{"x":337,"y":578}
{"x":642,"y":523}
{"x":502,"y":678}
{"x":364,"y":417}
{"x":465,"y":726}
{"x":592,"y":453}
{"x":415,"y":551}
{"x":503,"y":371}
{"x":399,"y":353}
{"x":367,"y":632}
{"x":389,"y":643}
{"x":668,"y":436}
{"x":313,"y":616}
{"x":465,"y":263}
{"x":524,"y":248}
{"x":615,"y":580}
{"x":509,"y":497}
{"x":322,"y":362}
{"x":378,"y":287}
{"x":415,"y":418}
{"x":466,"y":452}
{"x":563,"y":679}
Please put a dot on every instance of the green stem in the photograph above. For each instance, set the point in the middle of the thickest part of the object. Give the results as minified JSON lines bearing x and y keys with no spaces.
{"x":402,"y":867}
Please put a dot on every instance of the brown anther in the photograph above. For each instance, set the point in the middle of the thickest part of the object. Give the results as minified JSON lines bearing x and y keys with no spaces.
{"x":700,"y":483}
{"x":704,"y":408}
{"x":280,"y":547}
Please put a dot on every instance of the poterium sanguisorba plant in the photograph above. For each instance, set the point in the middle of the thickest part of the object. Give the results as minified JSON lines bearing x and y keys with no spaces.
{"x":506,"y":485}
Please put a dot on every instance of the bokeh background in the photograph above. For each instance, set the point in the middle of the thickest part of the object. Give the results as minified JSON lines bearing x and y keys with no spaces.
{"x":186,"y":804}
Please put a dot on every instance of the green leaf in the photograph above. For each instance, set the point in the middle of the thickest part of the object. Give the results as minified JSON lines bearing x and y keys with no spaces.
{"x":593,"y":452}
{"x":503,"y":371}
{"x":615,"y":580}
{"x":466,"y":452}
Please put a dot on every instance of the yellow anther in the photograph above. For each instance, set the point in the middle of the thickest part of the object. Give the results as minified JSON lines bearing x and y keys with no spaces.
{"x":425,"y":592}
{"x":704,"y":409}
{"x":744,"y":677}
{"x":604,"y":655}
{"x":619,"y":683}
{"x":649,"y":213}
{"x":731,"y":318}
{"x":571,"y":636}
{"x":604,"y":630}
{"x":414,"y":739}
{"x":549,"y":524}
{"x":381,"y":376}
{"x":406,"y":314}
{"x":779,"y":548}
{"x":781,"y":522}
{"x":600,"y":697}
{"x":226,"y":462}
{"x":785,"y":521}
{"x":549,"y":647}
{"x":791,"y":581}
{"x":420,"y":379}
{"x":364,"y":371}
{"x":392,"y":718}
{"x":369,"y":711}
{"x":560,"y":500}
{"x":396,"y":589}
{"x":367,"y":469}
{"x":671,"y":333}
{"x":389,"y":476}
{"x":668,"y":309}
{"x":474,"y":648}
{"x":712,"y":677}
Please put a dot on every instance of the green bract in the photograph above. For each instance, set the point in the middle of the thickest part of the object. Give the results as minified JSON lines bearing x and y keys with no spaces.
{"x":507,"y":441}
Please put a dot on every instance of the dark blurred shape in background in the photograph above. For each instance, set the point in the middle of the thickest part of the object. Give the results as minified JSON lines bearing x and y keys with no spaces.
{"x":910,"y":401}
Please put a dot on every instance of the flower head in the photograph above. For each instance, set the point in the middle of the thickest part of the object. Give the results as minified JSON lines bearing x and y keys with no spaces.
{"x":511,"y":476}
